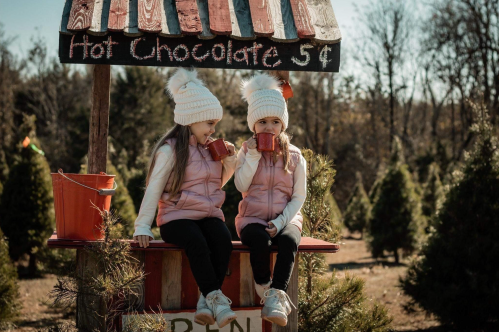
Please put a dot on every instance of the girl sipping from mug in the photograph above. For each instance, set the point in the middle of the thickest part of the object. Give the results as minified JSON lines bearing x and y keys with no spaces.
{"x":273,"y":185}
{"x":186,"y":182}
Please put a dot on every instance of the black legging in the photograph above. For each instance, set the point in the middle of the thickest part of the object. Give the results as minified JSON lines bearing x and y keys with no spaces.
{"x":259,"y":241}
{"x":208,"y":245}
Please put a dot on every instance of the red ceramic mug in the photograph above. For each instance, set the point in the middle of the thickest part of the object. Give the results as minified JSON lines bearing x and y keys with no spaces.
{"x":265,"y":142}
{"x":218,"y":149}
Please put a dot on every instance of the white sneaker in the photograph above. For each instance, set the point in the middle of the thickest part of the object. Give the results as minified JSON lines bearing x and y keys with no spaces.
{"x":277,"y":306}
{"x":260,"y":289}
{"x":219,"y":304}
{"x":203,"y":314}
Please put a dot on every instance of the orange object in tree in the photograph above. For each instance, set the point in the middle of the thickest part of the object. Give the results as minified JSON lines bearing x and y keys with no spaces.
{"x":74,"y":198}
{"x":26,"y":142}
{"x":287,"y":92}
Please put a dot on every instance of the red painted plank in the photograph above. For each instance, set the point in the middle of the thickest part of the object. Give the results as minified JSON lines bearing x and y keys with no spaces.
{"x":303,"y":21}
{"x":80,"y":17}
{"x":189,"y":286}
{"x":118,"y":13}
{"x":188,"y":17}
{"x":260,"y":15}
{"x":307,"y":244}
{"x":150,"y":15}
{"x":232,"y":283}
{"x":220,"y":23}
{"x":152,"y":283}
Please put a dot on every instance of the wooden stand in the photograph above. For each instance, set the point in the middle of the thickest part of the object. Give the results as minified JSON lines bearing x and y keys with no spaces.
{"x":169,"y":282}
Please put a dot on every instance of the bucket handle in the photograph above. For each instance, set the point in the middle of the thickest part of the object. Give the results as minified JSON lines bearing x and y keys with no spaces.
{"x":102,"y":192}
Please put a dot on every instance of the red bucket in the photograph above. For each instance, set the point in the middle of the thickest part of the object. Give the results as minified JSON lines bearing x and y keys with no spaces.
{"x":76,"y":217}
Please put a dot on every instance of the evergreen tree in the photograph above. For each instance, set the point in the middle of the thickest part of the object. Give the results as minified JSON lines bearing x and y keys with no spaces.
{"x":140,"y":110}
{"x":456,"y":276}
{"x":396,"y":221}
{"x":358,"y":210}
{"x":433,"y":193}
{"x":9,"y":290}
{"x":26,"y":206}
{"x":336,"y":215}
{"x":329,"y":303}
{"x":122,"y":203}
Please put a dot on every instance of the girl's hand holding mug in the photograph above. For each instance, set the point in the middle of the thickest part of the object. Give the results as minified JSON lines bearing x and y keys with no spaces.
{"x":251,"y":143}
{"x":231,"y":148}
{"x":143,"y":240}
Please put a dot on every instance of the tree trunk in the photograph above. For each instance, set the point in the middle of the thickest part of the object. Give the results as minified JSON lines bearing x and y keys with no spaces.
{"x":396,"y":255}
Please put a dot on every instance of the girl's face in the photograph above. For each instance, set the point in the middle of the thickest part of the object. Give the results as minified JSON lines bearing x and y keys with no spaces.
{"x":203,"y":130}
{"x":269,"y":125}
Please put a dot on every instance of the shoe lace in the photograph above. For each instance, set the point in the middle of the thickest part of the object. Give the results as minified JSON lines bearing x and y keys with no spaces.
{"x":281,"y":295}
{"x":216,"y":300}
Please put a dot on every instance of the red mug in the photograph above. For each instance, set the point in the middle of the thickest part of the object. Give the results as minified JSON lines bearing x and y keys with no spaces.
{"x":218,"y":149}
{"x":265,"y":142}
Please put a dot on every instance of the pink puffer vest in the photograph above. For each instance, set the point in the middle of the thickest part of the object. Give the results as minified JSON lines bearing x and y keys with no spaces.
{"x":200,"y":194}
{"x":269,"y":192}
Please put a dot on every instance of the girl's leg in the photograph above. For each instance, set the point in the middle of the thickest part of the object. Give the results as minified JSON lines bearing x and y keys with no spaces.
{"x":219,"y":241}
{"x":259,"y":241}
{"x":188,"y":235}
{"x":287,"y":240}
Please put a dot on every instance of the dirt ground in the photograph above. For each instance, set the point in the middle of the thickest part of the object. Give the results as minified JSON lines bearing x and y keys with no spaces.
{"x":36,"y":314}
{"x":381,"y":284}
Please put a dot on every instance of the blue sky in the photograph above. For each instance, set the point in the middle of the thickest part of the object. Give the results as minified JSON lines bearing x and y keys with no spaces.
{"x":24,"y":19}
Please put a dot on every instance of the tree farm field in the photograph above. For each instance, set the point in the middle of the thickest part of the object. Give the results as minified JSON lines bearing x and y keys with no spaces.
{"x":381,"y":282}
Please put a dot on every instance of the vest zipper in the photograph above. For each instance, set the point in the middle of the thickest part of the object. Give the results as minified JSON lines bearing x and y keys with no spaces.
{"x":206,"y":182}
{"x":271,"y":188}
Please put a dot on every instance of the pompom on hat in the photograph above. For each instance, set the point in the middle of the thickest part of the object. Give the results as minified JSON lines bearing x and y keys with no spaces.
{"x":193,"y":101}
{"x":264,"y":96}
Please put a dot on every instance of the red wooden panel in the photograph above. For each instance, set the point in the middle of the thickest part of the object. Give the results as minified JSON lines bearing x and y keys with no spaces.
{"x":80,"y":17}
{"x":189,"y":285}
{"x":232,"y":283}
{"x":152,"y":283}
{"x":220,"y":23}
{"x":303,"y":21}
{"x":188,"y":17}
{"x":260,"y":15}
{"x":118,"y":13}
{"x":150,"y":15}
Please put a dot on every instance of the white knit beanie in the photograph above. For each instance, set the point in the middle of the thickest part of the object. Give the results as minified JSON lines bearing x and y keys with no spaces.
{"x":264,"y":96}
{"x":193,"y":101}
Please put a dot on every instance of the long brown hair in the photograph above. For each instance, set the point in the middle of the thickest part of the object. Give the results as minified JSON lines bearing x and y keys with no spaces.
{"x":283,"y":140}
{"x":181,"y":155}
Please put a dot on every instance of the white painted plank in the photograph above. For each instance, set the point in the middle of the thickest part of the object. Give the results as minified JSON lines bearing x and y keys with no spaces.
{"x":171,"y":292}
{"x":170,"y":26}
{"x":284,"y":22}
{"x":100,"y":18}
{"x":247,"y":290}
{"x":240,"y":16}
{"x":324,"y":21}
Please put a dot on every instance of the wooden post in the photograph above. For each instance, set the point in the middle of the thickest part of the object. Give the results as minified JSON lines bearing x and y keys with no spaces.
{"x":97,"y":158}
{"x":99,"y":120}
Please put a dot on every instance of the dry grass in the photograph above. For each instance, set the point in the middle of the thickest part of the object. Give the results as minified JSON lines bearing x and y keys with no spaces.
{"x":36,"y":314}
{"x":381,"y":283}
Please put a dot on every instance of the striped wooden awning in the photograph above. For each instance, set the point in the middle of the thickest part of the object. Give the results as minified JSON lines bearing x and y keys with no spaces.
{"x":279,"y":20}
{"x":300,"y":35}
